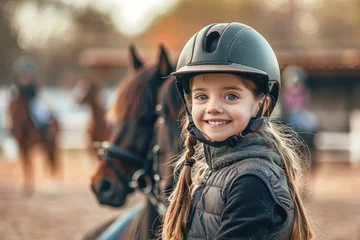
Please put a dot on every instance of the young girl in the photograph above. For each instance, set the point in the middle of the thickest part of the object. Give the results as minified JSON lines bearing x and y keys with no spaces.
{"x":239,"y":174}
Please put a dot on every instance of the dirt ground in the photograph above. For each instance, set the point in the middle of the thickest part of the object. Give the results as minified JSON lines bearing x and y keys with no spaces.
{"x":334,"y":204}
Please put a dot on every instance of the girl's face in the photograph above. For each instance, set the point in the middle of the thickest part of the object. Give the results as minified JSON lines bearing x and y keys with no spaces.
{"x":222,"y":105}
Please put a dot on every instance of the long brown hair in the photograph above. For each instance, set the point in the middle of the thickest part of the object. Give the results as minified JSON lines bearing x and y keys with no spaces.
{"x":177,"y":214}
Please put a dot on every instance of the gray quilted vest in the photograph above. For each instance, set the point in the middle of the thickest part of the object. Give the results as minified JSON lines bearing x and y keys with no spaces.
{"x":257,"y":156}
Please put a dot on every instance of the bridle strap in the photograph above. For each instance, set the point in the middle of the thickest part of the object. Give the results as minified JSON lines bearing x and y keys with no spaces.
{"x":126,"y":156}
{"x":113,"y":152}
{"x":119,"y":175}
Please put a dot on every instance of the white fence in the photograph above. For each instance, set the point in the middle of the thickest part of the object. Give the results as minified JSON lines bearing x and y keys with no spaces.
{"x":74,"y":119}
{"x":354,"y":146}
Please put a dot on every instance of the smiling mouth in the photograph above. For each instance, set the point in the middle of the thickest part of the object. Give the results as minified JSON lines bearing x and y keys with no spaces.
{"x":217,"y":123}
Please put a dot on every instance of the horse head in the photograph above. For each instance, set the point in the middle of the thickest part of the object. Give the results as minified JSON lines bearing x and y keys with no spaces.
{"x":123,"y":160}
{"x":85,"y":91}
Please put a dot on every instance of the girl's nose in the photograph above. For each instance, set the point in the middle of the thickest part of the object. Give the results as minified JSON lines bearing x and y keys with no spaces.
{"x":214,"y":108}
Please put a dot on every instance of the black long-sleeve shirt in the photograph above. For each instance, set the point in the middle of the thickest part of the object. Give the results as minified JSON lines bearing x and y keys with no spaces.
{"x":250,"y":212}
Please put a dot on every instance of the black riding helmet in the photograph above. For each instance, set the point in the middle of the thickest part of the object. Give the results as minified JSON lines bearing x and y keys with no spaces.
{"x":229,"y":48}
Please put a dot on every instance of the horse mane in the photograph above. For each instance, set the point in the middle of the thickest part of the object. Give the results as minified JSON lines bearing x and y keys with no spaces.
{"x":128,"y":97}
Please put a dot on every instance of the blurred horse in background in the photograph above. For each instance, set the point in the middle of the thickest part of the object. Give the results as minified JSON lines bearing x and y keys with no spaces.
{"x":87,"y":92}
{"x":134,"y":159}
{"x":28,"y":134}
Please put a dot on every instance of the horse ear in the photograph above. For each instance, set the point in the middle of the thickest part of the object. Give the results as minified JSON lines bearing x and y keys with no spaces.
{"x":135,"y":61}
{"x":165,"y":67}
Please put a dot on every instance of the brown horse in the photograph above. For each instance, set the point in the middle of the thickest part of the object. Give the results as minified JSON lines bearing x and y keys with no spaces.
{"x":129,"y":163}
{"x":87,"y":92}
{"x":28,"y":135}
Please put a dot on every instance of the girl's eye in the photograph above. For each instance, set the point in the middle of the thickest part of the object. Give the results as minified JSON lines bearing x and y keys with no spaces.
{"x":201,"y":97}
{"x":231,"y":97}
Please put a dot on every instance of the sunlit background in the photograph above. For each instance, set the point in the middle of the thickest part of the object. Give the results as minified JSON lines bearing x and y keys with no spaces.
{"x":70,"y":38}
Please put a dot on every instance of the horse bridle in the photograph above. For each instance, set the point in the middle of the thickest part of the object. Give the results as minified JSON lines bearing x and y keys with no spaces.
{"x":147,"y":177}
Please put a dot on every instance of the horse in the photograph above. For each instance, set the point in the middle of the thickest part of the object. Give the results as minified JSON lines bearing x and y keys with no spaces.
{"x":24,"y":129}
{"x":134,"y":159}
{"x":86,"y":92}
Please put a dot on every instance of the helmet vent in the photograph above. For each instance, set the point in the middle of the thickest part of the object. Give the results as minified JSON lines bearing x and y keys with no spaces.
{"x":212,"y":41}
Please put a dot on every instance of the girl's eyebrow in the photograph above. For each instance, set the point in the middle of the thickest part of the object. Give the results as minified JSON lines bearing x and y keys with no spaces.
{"x":232,"y":88}
{"x":199,"y":89}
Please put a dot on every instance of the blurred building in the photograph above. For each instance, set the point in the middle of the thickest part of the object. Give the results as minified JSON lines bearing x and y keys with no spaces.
{"x":311,"y":34}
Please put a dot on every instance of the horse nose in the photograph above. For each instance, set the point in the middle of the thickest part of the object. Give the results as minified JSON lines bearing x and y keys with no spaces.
{"x":105,"y":188}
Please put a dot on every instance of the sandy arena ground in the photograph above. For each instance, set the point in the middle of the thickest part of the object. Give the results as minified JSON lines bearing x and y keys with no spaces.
{"x":70,"y":213}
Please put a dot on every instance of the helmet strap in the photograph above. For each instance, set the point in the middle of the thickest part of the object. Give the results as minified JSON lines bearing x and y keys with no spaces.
{"x":255,"y":122}
{"x":253,"y":125}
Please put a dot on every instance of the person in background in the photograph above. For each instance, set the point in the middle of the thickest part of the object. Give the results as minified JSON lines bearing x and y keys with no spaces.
{"x":295,"y":99}
{"x":25,"y":85}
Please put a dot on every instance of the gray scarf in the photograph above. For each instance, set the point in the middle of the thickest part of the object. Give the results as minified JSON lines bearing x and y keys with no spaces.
{"x":254,"y":145}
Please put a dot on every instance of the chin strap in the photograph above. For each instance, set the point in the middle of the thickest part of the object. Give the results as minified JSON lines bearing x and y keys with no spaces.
{"x":253,"y":125}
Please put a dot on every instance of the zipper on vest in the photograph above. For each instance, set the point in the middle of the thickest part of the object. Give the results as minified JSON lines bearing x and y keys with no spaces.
{"x":206,"y":177}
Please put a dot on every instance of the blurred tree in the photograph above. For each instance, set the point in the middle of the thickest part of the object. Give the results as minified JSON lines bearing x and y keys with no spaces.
{"x":70,"y":27}
{"x":8,"y":47}
{"x":285,"y":23}
{"x":57,"y":46}
{"x":339,"y":23}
